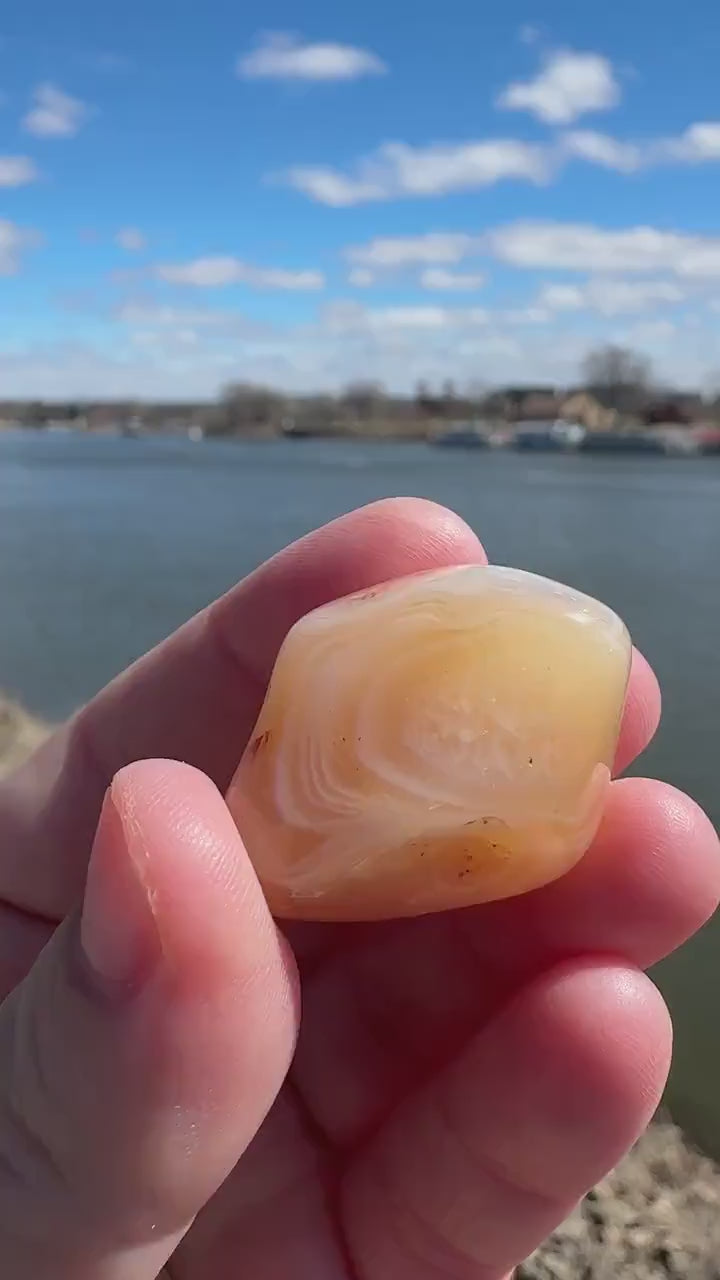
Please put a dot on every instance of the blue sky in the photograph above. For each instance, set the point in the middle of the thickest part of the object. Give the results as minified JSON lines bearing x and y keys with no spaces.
{"x":206,"y":193}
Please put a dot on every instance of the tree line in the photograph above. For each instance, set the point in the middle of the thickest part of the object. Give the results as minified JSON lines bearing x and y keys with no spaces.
{"x":620,"y":379}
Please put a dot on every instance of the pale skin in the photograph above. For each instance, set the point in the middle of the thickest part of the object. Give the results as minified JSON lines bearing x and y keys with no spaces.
{"x":187,"y":1089}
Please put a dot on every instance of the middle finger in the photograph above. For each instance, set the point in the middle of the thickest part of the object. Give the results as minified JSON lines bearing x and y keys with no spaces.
{"x":379,"y":1015}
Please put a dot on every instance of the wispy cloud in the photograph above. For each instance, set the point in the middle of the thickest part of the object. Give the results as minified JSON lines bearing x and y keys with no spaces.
{"x":451,"y":281}
{"x":569,"y":85}
{"x":528,"y":33}
{"x":602,"y":150}
{"x":14,"y":241}
{"x":55,"y":114}
{"x":398,"y":170}
{"x":131,"y":239}
{"x":612,"y":297}
{"x":700,"y":142}
{"x":361,"y":277}
{"x":585,"y":247}
{"x":283,"y":56}
{"x":435,"y":247}
{"x":150,"y":322}
{"x":108,"y":63}
{"x":557,"y":246}
{"x":159,"y":315}
{"x":354,"y":318}
{"x":221,"y":271}
{"x":17,"y":171}
{"x":179,"y":351}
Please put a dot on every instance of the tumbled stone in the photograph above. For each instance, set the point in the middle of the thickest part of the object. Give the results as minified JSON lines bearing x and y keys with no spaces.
{"x":442,"y":740}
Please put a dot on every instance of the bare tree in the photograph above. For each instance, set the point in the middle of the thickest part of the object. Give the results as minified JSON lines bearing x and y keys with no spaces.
{"x":246,"y":407}
{"x":424,"y":401}
{"x":364,"y":399}
{"x":620,"y":377}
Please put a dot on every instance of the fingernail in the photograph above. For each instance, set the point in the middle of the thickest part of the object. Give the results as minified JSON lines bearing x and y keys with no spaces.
{"x":118,"y":931}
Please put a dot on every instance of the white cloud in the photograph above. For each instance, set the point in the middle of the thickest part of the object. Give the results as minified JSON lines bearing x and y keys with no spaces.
{"x":530,"y":315}
{"x":397,"y":170}
{"x":352,"y":317}
{"x":282,"y":56}
{"x":13,"y":241}
{"x":153,"y":315}
{"x":650,"y":333}
{"x":700,"y":142}
{"x":577,"y":247}
{"x":216,"y":272}
{"x":433,"y":248}
{"x":361,"y":277}
{"x":17,"y":171}
{"x":609,"y":297}
{"x":326,"y":186}
{"x":131,"y":240}
{"x":156,"y":351}
{"x":452,"y":281}
{"x":55,"y":114}
{"x":584,"y":247}
{"x":600,"y":149}
{"x":569,"y":85}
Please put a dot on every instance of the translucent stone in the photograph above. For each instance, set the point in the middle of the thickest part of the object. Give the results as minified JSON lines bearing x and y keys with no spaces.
{"x":442,"y":740}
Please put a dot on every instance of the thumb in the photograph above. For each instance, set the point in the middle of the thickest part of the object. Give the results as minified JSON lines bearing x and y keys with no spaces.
{"x":143,"y":1051}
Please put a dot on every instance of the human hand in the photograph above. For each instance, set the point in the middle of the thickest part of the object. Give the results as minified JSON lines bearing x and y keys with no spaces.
{"x":459,"y":1080}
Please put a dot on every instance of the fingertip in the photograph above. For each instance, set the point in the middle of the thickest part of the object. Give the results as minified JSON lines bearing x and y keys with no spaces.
{"x":667,"y":852}
{"x":608,"y":1025}
{"x":650,"y":880}
{"x":208,"y":902}
{"x":641,"y":714}
{"x":169,"y":791}
{"x":421,"y":527}
{"x":576,"y":1066}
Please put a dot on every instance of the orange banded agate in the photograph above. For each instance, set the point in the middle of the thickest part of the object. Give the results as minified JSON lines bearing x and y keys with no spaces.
{"x":442,"y":740}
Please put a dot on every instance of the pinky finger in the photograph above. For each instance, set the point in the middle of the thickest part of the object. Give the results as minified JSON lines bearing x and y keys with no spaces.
{"x":470,"y":1176}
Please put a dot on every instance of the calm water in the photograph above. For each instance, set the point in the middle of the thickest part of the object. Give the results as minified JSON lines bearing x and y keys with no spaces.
{"x":107,"y":545}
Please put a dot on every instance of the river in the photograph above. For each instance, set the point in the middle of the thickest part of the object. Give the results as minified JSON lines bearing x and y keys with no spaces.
{"x":107,"y":544}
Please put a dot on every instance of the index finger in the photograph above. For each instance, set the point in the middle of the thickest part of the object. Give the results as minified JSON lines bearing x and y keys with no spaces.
{"x":196,"y":696}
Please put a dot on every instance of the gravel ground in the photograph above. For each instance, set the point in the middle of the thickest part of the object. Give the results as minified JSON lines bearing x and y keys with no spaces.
{"x":656,"y":1216}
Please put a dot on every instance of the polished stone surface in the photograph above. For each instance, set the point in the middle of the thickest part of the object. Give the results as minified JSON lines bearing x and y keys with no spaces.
{"x":442,"y":740}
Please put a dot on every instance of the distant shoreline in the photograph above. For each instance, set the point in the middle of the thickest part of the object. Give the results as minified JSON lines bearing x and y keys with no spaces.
{"x":558,"y":437}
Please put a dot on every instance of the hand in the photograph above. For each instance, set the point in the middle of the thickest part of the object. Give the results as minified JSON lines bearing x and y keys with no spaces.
{"x":459,"y":1081}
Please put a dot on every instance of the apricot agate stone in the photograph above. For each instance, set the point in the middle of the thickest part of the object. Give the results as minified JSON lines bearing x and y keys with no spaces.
{"x":442,"y":740}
